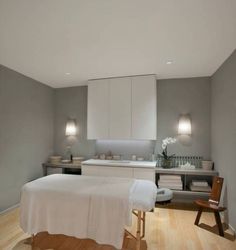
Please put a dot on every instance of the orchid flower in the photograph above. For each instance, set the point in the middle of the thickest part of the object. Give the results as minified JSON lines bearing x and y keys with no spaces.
{"x":168,"y":140}
{"x":165,"y":142}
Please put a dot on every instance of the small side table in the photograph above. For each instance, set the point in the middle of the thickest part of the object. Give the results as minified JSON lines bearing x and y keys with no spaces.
{"x":59,"y":165}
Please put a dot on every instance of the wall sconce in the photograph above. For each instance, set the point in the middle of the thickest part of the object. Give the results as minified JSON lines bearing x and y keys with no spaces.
{"x":184,"y":126}
{"x":71,"y":128}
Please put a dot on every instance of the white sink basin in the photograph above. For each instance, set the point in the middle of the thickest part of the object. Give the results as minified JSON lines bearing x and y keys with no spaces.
{"x":120,"y":163}
{"x":117,"y":161}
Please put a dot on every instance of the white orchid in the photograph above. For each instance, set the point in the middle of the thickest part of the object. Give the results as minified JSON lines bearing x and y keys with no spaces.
{"x":165,"y":142}
{"x":168,"y":140}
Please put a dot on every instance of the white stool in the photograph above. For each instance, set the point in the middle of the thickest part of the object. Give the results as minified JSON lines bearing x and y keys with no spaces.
{"x":164,"y":195}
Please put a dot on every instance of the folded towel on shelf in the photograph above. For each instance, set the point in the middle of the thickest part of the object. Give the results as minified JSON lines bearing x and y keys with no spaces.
{"x":176,"y":187}
{"x":200,"y":189}
{"x":170,"y":177}
{"x":170,"y":184}
{"x":200,"y":183}
{"x":170,"y":181}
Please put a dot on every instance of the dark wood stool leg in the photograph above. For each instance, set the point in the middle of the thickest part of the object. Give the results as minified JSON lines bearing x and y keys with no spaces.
{"x":198,"y":216}
{"x":219,"y":224}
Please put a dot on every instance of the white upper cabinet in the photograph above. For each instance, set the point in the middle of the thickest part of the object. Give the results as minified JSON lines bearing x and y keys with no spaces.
{"x":120,"y":108}
{"x":144,"y":107}
{"x":98,"y":109}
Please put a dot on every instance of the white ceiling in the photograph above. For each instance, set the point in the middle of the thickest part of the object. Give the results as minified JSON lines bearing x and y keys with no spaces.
{"x":103,"y":38}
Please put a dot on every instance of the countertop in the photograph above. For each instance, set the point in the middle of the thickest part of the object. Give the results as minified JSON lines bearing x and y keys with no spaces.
{"x":120,"y":163}
{"x":178,"y":170}
{"x":147,"y":164}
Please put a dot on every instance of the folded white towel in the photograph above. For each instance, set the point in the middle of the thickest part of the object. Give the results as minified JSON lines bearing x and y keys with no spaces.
{"x":199,"y":183}
{"x":170,"y":177}
{"x":200,"y":189}
{"x":171,"y":187}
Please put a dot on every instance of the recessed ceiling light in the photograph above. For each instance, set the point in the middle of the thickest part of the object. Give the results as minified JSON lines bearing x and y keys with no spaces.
{"x":68,"y":73}
{"x":169,"y":62}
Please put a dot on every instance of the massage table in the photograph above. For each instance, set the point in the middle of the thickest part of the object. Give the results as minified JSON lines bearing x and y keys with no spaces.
{"x":92,"y":207}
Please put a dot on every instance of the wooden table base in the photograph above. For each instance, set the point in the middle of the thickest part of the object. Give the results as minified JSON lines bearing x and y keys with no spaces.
{"x":140,"y":231}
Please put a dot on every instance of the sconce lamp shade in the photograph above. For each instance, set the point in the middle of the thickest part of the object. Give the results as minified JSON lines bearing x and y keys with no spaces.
{"x":184,"y":126}
{"x":71,"y":128}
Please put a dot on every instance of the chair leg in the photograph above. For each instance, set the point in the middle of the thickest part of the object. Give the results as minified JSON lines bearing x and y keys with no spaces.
{"x":219,"y":224}
{"x":198,"y":216}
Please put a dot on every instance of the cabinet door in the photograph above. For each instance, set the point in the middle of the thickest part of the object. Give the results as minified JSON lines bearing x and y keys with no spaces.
{"x":144,"y":110}
{"x":54,"y":171}
{"x":98,"y":101}
{"x":89,"y":170}
{"x":120,"y":108}
{"x":144,"y":174}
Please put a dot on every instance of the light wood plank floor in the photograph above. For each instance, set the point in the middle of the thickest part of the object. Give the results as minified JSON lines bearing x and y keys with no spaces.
{"x":168,"y":228}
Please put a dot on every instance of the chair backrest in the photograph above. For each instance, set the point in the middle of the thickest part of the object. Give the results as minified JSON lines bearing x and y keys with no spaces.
{"x":216,"y":190}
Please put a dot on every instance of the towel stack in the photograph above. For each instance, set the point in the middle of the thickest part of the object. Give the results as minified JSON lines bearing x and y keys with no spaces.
{"x":200,"y":186}
{"x":170,"y":181}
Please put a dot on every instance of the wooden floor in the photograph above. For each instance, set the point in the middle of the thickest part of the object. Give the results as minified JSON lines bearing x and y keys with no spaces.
{"x":169,"y":227}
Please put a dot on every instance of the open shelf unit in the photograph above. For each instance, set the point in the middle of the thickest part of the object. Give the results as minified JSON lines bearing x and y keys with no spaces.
{"x":187,"y":176}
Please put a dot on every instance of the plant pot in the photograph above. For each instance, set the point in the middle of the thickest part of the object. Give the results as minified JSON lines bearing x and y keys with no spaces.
{"x":166,"y":163}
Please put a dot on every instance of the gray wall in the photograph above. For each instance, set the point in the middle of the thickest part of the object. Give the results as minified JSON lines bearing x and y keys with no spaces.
{"x":71,"y":103}
{"x":26,"y":132}
{"x":185,"y":96}
{"x":224,"y":130}
{"x":173,"y":98}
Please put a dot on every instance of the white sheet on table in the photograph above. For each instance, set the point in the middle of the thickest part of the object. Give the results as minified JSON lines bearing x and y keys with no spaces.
{"x":84,"y":206}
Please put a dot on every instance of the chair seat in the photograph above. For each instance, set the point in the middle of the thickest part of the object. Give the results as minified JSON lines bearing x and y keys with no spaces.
{"x":212,"y":204}
{"x":209,"y":205}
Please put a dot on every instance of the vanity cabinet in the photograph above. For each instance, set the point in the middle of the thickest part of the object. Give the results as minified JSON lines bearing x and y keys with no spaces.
{"x":122,"y":108}
{"x":116,"y":171}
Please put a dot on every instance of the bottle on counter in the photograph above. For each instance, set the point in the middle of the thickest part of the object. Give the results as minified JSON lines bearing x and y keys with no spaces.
{"x":152,"y":157}
{"x":68,"y":155}
{"x":134,"y":157}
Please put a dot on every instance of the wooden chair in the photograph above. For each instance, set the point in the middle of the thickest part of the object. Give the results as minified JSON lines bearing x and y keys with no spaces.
{"x":212,"y":204}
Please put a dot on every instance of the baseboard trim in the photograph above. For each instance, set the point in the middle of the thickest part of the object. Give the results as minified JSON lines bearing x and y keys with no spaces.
{"x":9,"y":209}
{"x":231,"y":228}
